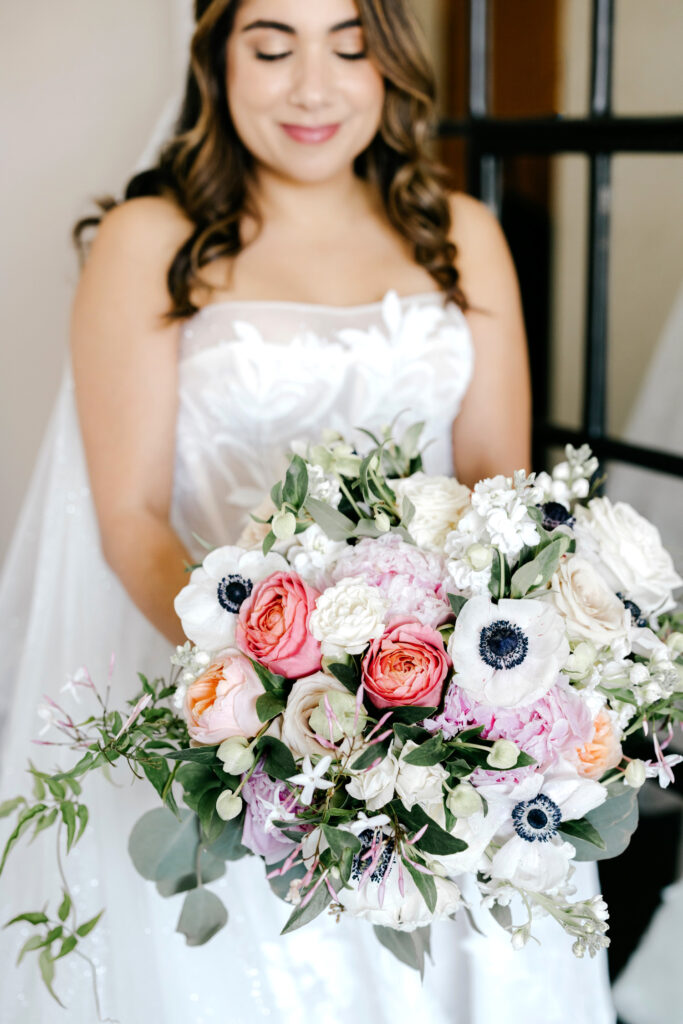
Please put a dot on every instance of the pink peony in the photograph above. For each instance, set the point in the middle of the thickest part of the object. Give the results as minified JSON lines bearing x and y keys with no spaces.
{"x":411,"y":580}
{"x":273,"y":626}
{"x":267,"y":800}
{"x":550,"y":728}
{"x":221,"y":702}
{"x":407,"y":665}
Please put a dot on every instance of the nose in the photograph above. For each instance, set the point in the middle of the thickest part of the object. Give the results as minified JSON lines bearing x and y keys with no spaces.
{"x":311,"y":85}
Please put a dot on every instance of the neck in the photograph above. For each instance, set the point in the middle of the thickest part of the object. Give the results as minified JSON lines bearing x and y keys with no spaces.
{"x":321,"y":205}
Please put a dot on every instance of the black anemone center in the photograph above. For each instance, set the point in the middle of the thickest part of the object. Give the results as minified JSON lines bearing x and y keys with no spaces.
{"x":233,"y":591}
{"x":636,"y":614}
{"x":361,"y":862}
{"x":502,"y":644}
{"x":555,"y":514}
{"x":536,"y":820}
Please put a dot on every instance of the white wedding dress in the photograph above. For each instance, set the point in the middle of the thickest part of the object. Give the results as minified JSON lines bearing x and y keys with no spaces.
{"x":253,"y":376}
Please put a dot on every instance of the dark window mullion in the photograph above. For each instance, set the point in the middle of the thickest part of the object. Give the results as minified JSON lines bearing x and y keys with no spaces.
{"x":484,"y":169}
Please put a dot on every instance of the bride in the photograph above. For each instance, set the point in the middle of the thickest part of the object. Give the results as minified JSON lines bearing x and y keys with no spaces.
{"x":291,"y":263}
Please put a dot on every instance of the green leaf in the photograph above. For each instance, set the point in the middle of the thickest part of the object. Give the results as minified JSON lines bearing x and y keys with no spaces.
{"x":200,"y":755}
{"x":411,"y":438}
{"x":279,"y":762}
{"x":347,"y":675}
{"x":335,"y":524}
{"x":88,"y":926}
{"x":203,"y":915}
{"x":8,"y":806}
{"x":580,"y":828}
{"x":37,"y":917}
{"x":303,"y":915}
{"x":56,"y":788}
{"x":500,"y":575}
{"x":410,"y":715}
{"x":271,"y":683}
{"x":228,"y":845}
{"x":425,"y":884}
{"x":157,"y":772}
{"x":210,"y":868}
{"x":408,"y":947}
{"x":35,"y":942}
{"x":276,"y":495}
{"x":69,"y":943}
{"x":269,"y":706}
{"x":524,"y":760}
{"x":296,"y":483}
{"x":23,"y":822}
{"x":429,"y":753}
{"x":408,"y":511}
{"x":68,"y":812}
{"x":537,"y":573}
{"x":161,"y":847}
{"x":615,"y":821}
{"x":435,"y":838}
{"x":47,"y":971}
{"x":82,"y":814}
{"x":280,"y":883}
{"x":268,"y":542}
{"x":74,"y":786}
{"x":371,"y":754}
{"x":64,"y":907}
{"x":502,"y":915}
{"x":457,"y":602}
{"x":340,"y":840}
{"x":212,"y":824}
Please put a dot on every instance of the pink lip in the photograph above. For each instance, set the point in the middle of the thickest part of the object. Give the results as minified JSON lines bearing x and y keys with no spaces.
{"x":321,"y":133}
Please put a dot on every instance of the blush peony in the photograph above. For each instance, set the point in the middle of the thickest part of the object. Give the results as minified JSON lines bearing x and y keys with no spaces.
{"x":222,"y":702}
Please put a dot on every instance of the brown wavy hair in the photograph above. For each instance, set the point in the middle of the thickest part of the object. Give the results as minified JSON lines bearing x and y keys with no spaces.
{"x":206,"y":169}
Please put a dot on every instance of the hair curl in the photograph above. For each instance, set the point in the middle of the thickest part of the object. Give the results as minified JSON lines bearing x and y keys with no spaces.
{"x":206,"y":169}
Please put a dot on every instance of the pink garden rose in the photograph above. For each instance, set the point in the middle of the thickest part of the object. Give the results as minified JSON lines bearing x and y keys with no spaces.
{"x":221,"y":702}
{"x":273,"y":626}
{"x":407,"y":665}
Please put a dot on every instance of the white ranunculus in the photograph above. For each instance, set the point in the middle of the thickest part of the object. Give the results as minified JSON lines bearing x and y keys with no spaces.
{"x":590,"y":609}
{"x":439,"y":503}
{"x":348,"y":616}
{"x":304,"y":698}
{"x":209,"y":605}
{"x":508,"y":654}
{"x":313,"y":555}
{"x":423,"y":785}
{"x":375,"y":786}
{"x":628,"y":550}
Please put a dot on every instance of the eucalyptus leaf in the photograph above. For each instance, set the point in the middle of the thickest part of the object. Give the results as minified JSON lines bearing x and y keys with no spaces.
{"x":408,"y":947}
{"x":335,"y":524}
{"x":615,"y":821}
{"x":228,"y":845}
{"x":280,"y":883}
{"x":296,"y":483}
{"x":503,"y":915}
{"x":210,"y":868}
{"x":580,"y":828}
{"x":203,"y":915}
{"x":161,"y":847}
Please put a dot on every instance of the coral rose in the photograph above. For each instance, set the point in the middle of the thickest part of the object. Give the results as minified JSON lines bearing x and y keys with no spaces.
{"x":408,"y":665}
{"x":221,"y":702}
{"x":602,"y":752}
{"x":273,"y":626}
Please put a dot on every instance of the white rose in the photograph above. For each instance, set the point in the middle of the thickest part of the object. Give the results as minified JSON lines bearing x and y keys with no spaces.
{"x":590,"y":609}
{"x":375,"y":786}
{"x":348,"y":616}
{"x":423,"y":785}
{"x":306,"y":694}
{"x":628,"y":549}
{"x":439,"y":503}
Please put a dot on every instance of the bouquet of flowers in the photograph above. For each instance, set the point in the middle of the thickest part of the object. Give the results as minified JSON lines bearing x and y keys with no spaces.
{"x":406,"y":697}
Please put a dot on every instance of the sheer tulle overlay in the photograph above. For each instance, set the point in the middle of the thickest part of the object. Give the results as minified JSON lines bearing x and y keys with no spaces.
{"x":253,"y":377}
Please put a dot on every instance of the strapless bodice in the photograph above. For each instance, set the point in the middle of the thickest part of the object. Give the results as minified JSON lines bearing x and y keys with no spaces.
{"x":254,"y":376}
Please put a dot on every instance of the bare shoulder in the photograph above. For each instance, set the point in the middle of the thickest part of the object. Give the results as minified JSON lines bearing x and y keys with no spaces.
{"x":483,"y":257}
{"x":129,"y":258}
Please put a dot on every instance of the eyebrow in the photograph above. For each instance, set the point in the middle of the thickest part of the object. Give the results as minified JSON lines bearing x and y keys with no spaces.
{"x":280,"y":26}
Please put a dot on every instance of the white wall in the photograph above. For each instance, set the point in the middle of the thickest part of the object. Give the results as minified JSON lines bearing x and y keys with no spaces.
{"x":82,"y":83}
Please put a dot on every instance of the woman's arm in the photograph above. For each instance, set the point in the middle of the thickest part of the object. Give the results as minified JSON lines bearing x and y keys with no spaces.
{"x":492,"y":433}
{"x":125,"y":370}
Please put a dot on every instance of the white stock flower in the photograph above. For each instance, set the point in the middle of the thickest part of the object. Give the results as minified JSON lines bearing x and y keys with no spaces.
{"x":423,"y":785}
{"x":313,"y":555}
{"x":439,"y":503}
{"x":467,"y":564}
{"x":209,"y":605}
{"x":628,"y":549}
{"x":347,"y":617}
{"x":591,"y":610}
{"x":322,"y":486}
{"x":500,"y":513}
{"x":508,"y":654}
{"x":304,"y":698}
{"x":374,"y":786}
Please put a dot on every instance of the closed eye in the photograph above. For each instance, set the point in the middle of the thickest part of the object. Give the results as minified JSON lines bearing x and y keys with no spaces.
{"x":273,"y":56}
{"x":353,"y":56}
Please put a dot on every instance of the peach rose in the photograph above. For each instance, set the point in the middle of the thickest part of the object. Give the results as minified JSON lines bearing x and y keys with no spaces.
{"x":602,"y":752}
{"x":407,"y":665}
{"x":221,"y":702}
{"x":273,"y":626}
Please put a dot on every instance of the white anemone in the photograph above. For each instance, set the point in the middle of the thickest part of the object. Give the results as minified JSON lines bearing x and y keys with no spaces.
{"x":209,"y":605}
{"x":508,"y":654}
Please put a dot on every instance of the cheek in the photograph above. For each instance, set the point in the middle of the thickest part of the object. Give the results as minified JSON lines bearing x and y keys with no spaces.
{"x":366,"y":92}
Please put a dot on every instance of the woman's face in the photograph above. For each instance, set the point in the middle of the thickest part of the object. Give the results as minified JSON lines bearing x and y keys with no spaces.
{"x":304,"y":98}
